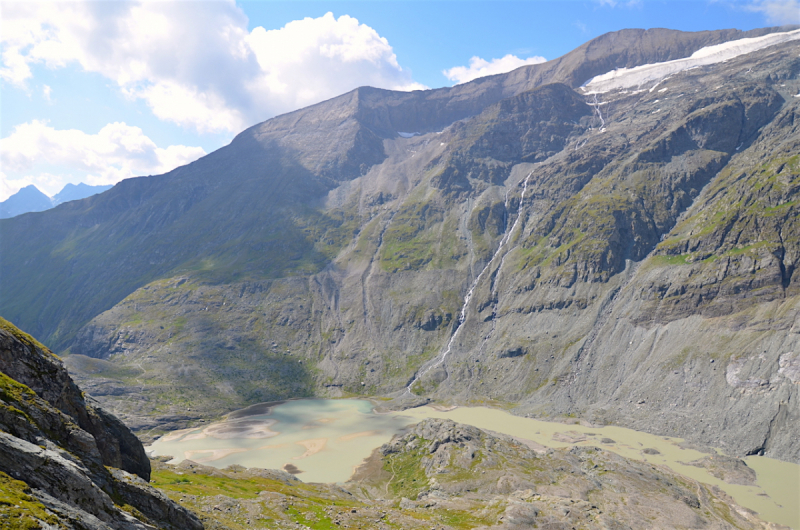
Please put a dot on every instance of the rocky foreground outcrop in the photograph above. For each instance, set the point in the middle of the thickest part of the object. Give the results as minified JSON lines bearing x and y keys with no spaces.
{"x":64,"y":462}
{"x":443,"y":475}
{"x":449,"y":466}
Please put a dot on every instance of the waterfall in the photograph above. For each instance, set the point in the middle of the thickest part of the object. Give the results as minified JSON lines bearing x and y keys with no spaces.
{"x":462,"y":316}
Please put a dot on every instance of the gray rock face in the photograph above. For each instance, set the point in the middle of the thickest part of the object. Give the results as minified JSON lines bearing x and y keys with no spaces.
{"x":731,"y":470}
{"x":28,"y":362}
{"x":444,"y":464}
{"x":61,"y":471}
{"x":571,"y":253}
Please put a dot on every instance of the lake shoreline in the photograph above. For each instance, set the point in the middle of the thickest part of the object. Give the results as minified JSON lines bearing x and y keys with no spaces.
{"x":309,"y":432}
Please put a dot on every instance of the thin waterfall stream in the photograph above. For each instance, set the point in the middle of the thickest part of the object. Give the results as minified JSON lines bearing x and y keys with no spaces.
{"x":462,"y":316}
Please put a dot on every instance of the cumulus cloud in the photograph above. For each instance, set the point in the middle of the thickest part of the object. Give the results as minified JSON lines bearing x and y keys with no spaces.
{"x":8,"y":187}
{"x":481,"y":67}
{"x":310,"y":60}
{"x":196,"y":64}
{"x":779,"y":12}
{"x":116,"y":152}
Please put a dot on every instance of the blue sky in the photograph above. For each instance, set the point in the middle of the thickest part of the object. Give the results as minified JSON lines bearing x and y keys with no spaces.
{"x":100,"y":91}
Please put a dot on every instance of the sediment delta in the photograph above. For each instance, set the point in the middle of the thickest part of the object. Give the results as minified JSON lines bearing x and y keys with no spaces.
{"x":303,"y":434}
{"x":331,"y":438}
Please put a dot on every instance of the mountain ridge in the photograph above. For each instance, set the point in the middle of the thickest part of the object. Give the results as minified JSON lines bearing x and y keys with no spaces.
{"x":31,"y":199}
{"x":340,"y":262}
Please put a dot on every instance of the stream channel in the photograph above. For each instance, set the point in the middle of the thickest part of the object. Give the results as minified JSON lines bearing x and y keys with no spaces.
{"x":324,"y":440}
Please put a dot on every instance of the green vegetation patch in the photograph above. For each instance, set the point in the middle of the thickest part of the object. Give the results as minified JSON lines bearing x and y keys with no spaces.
{"x":408,"y":242}
{"x":12,"y":391}
{"x":306,"y":504}
{"x":23,"y":337}
{"x":407,"y":475}
{"x":330,"y":231}
{"x":750,"y":211}
{"x":313,"y":517}
{"x":199,"y":484}
{"x":20,"y":510}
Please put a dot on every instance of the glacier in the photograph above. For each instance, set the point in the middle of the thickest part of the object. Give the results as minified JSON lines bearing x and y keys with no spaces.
{"x":623,"y":78}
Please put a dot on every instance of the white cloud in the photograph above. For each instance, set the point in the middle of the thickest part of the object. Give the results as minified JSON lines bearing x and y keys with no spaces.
{"x":614,"y":3}
{"x":779,"y":12}
{"x":310,"y":60}
{"x":116,"y":152}
{"x":9,"y":187}
{"x":481,"y":67}
{"x":190,"y":107}
{"x":195,"y":63}
{"x":46,"y":92}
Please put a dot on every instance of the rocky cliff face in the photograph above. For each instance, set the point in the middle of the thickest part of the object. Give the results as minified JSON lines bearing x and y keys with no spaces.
{"x":627,"y":256}
{"x":65,"y":462}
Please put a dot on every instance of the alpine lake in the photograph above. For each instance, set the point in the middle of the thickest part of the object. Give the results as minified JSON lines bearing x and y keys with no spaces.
{"x":325,"y":440}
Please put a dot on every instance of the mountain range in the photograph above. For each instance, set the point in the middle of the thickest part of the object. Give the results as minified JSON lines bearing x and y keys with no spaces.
{"x":67,"y":463}
{"x":30,"y":199}
{"x":621,"y":253}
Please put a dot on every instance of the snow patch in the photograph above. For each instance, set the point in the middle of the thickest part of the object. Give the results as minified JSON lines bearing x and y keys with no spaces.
{"x":656,"y":72}
{"x":408,"y":135}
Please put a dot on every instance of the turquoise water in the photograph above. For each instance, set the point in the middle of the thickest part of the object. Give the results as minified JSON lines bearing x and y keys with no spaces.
{"x":324,"y":439}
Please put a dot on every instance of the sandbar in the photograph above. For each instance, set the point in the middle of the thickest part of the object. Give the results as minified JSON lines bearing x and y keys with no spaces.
{"x":240,"y":429}
{"x":312,"y":447}
{"x":194,"y":436}
{"x":254,"y":410}
{"x":176,"y":435}
{"x":570,"y":437}
{"x":213,"y":454}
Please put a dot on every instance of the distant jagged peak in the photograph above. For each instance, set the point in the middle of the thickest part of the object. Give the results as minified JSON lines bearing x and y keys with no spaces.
{"x":29,"y":191}
{"x":32,"y":199}
{"x":28,"y":199}
{"x":74,"y":192}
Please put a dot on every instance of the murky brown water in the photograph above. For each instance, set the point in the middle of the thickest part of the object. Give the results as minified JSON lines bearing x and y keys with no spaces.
{"x":323,"y":439}
{"x":326,"y":439}
{"x":775,"y":496}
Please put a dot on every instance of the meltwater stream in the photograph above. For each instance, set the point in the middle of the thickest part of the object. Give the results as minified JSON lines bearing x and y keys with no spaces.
{"x":462,"y":316}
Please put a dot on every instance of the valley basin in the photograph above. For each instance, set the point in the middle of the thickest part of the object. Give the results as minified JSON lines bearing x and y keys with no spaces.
{"x":325,"y":440}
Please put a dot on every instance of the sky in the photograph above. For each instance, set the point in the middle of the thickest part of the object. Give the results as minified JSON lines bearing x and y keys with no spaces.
{"x":98,"y":91}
